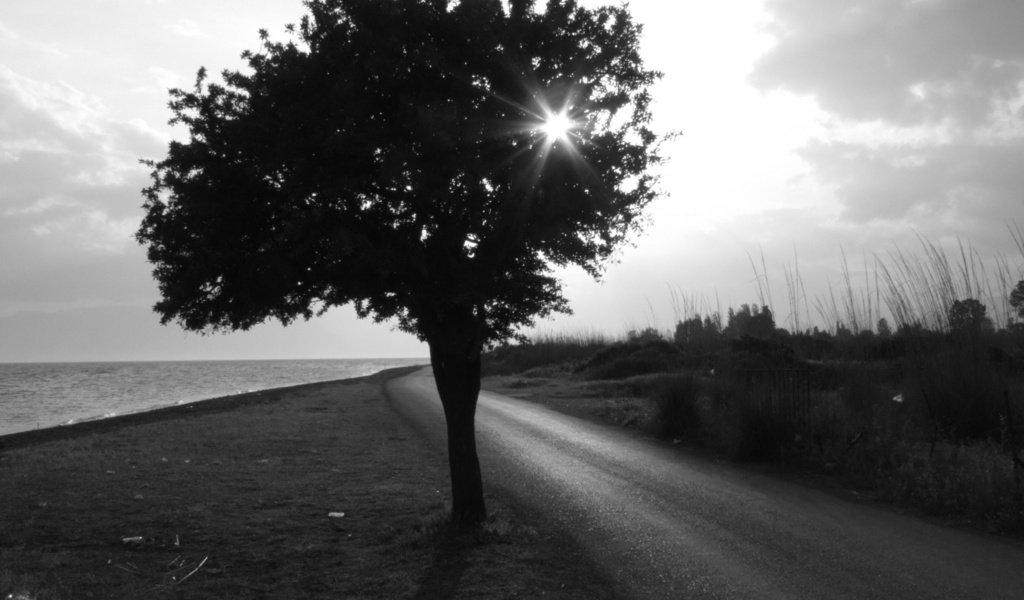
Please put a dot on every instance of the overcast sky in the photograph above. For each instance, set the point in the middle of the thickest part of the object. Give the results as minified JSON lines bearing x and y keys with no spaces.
{"x":810,"y":129}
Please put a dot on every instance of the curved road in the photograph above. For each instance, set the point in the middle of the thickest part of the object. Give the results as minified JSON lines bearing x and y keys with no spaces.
{"x":667,"y":525}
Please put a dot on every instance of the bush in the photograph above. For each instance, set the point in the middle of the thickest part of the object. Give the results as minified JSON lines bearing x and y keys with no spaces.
{"x":729,"y":422}
{"x":755,"y":353}
{"x":976,"y":480}
{"x":960,"y":391}
{"x":675,"y":401}
{"x":627,"y":359}
{"x":763,"y":435}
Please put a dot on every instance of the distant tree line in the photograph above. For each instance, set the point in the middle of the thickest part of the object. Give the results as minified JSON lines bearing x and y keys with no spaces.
{"x":704,"y":335}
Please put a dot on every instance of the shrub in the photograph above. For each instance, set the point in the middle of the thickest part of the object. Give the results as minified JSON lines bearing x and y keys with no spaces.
{"x":734,"y":425}
{"x":763,"y":435}
{"x":755,"y":353}
{"x":627,"y":359}
{"x":975,"y":479}
{"x":959,"y":390}
{"x":648,"y":334}
{"x":675,"y":404}
{"x":625,"y":412}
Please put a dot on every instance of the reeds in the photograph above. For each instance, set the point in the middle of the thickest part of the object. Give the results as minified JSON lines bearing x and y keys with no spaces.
{"x":920,"y":289}
{"x":907,"y":287}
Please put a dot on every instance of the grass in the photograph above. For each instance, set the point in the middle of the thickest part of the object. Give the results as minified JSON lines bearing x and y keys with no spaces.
{"x":236,"y":503}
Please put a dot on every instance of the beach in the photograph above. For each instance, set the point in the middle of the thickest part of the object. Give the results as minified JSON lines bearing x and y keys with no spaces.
{"x":310,"y":491}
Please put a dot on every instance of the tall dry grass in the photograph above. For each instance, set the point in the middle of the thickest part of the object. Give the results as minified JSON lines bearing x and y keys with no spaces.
{"x":909,"y":287}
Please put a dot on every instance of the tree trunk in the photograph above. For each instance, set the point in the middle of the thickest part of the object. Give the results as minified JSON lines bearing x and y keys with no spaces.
{"x":456,"y":364}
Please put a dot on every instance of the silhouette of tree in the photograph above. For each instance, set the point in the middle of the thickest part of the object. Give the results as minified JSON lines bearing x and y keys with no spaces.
{"x":754,"y":321}
{"x":968,"y":316}
{"x":695,"y":335}
{"x":394,"y":155}
{"x":1017,"y":299}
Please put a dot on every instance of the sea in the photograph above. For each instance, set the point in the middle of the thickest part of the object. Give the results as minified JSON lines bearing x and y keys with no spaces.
{"x":36,"y":395}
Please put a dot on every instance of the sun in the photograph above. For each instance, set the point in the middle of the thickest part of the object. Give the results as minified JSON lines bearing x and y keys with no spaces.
{"x":557,"y":127}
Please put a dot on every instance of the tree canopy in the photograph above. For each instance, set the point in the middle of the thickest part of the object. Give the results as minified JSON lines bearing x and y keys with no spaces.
{"x":1017,"y":299}
{"x":968,"y":316}
{"x":394,"y":155}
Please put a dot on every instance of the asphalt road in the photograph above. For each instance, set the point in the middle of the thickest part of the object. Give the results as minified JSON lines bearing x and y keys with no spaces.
{"x":664,"y":524}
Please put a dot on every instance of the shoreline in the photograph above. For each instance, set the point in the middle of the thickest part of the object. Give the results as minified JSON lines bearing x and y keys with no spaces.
{"x":42,"y":435}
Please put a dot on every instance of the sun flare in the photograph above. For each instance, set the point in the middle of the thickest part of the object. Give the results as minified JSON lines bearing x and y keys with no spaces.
{"x":557,"y":127}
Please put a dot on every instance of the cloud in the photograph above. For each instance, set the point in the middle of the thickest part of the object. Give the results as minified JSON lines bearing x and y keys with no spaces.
{"x":95,"y":230}
{"x":57,"y":117}
{"x":924,"y":102}
{"x":905,"y":62}
{"x":9,"y":36}
{"x":932,"y":187}
{"x":70,"y":189}
{"x":110,"y":279}
{"x":185,"y":28}
{"x":40,"y":206}
{"x":165,"y":79}
{"x":106,"y":333}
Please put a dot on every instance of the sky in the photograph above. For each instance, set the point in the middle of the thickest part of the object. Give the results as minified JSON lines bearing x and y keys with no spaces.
{"x":811,"y":131}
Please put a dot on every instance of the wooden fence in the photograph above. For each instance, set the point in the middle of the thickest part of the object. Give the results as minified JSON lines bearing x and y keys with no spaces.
{"x":781,"y":394}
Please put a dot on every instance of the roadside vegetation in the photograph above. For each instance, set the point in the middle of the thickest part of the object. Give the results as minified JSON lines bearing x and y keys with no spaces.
{"x":923,"y":406}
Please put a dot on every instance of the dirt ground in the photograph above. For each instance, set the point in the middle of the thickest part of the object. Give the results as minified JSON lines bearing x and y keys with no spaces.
{"x":314,"y":491}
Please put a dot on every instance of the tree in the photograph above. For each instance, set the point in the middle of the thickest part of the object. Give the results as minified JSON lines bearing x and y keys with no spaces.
{"x":754,"y":321}
{"x":968,"y":316}
{"x":1017,"y":299}
{"x":428,"y":161}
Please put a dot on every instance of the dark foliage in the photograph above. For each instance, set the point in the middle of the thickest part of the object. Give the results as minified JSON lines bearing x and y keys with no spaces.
{"x":969,"y":317}
{"x":750,"y":321}
{"x":700,"y":337}
{"x":960,"y":391}
{"x":1017,"y":299}
{"x":509,"y":359}
{"x":390,"y":156}
{"x":756,"y":353}
{"x":676,"y":412}
{"x":626,"y":359}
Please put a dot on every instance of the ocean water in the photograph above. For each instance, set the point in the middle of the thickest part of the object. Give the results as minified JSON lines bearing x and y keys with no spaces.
{"x":34,"y":395}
